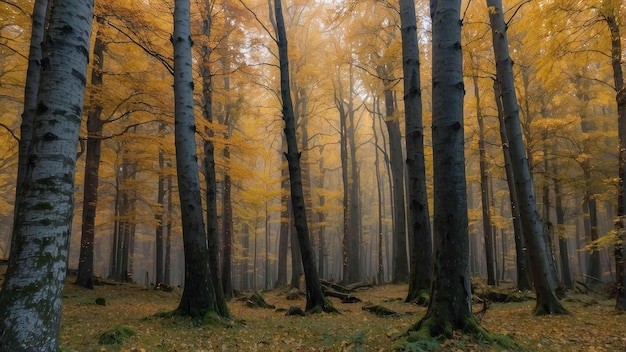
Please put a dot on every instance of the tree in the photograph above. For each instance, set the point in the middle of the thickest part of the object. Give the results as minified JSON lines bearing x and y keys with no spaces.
{"x":198,"y":297}
{"x":450,"y":299}
{"x":30,"y":300}
{"x":547,"y":302}
{"x":418,"y":216}
{"x":315,"y":297}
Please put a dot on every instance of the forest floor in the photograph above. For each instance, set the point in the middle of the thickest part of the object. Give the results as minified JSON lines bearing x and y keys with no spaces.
{"x":592,"y":325}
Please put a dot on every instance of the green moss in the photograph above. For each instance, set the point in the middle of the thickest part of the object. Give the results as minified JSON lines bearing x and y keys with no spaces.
{"x":117,"y":335}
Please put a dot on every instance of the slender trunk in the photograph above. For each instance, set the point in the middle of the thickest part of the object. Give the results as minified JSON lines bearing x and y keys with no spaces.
{"x":381,"y":267}
{"x":227,"y":230}
{"x":547,"y":302}
{"x":158,"y":216}
{"x":167,"y":270}
{"x":92,"y":166}
{"x":484,"y":189}
{"x":560,"y":230}
{"x":30,"y":300}
{"x":418,"y":215}
{"x":521,"y":257}
{"x":285,"y":222}
{"x":315,"y":297}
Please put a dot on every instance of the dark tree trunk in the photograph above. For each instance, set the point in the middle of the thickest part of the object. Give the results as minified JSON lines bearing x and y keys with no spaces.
{"x":198,"y":297}
{"x":560,"y":230}
{"x":521,"y":257}
{"x":418,"y":215}
{"x":380,"y":274}
{"x":158,"y":216}
{"x":450,"y":304}
{"x":296,"y":256}
{"x":285,"y":224}
{"x":92,"y":166}
{"x":227,"y":231}
{"x":210,"y":176}
{"x":315,"y":297}
{"x":547,"y":302}
{"x":484,"y":190}
{"x":167,"y":270}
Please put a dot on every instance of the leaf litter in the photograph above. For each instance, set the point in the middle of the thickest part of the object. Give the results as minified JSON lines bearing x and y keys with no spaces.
{"x":593,"y":324}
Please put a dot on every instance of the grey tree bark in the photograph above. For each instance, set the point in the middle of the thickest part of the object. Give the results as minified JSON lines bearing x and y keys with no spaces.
{"x":30,"y":300}
{"x":417,"y":195}
{"x":547,"y":302}
{"x":523,"y":276}
{"x":198,"y":297}
{"x":450,"y":300}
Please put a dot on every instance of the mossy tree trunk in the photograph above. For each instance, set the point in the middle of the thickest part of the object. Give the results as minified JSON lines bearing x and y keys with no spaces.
{"x":30,"y":300}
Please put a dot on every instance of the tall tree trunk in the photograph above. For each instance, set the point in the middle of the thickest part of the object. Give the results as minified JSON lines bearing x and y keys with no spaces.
{"x":417,"y":195}
{"x":547,"y":302}
{"x":210,"y":174}
{"x":380,"y":273}
{"x":198,"y":297}
{"x":450,"y":304}
{"x":92,"y":165}
{"x":620,"y":88}
{"x":296,"y":256}
{"x":285,"y":223}
{"x":227,"y":230}
{"x":167,"y":266}
{"x":30,"y":300}
{"x":484,"y":189}
{"x":521,"y":257}
{"x":560,"y":230}
{"x":315,"y":297}
{"x":31,"y":86}
{"x":401,"y":265}
{"x":158,"y":216}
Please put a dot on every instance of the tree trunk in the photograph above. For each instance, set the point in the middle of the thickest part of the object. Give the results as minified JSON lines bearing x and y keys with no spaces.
{"x":30,"y":300}
{"x":417,"y":195}
{"x":167,"y":270}
{"x":92,"y":166}
{"x":484,"y":189}
{"x":227,"y":230}
{"x":620,"y":97}
{"x":158,"y":216}
{"x":210,"y":176}
{"x":31,"y":86}
{"x":400,"y":262}
{"x":547,"y":302}
{"x":315,"y":297}
{"x":285,"y":223}
{"x":521,"y":257}
{"x":450,"y":304}
{"x":560,"y":230}
{"x":380,"y":274}
{"x":198,"y":297}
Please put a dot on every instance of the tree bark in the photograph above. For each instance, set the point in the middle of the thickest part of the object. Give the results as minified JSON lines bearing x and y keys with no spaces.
{"x":285,"y":223}
{"x":450,"y":304}
{"x":198,"y":297}
{"x":521,"y":257}
{"x":484,"y":190}
{"x":547,"y":302}
{"x":31,"y":86}
{"x":417,"y":195}
{"x":30,"y":300}
{"x":92,"y":165}
{"x":315,"y":297}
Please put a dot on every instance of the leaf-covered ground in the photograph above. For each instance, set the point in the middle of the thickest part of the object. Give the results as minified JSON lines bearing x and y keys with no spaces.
{"x":592,"y":326}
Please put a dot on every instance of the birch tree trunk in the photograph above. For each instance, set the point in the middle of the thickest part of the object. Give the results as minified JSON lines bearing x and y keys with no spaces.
{"x":30,"y":300}
{"x":315,"y":297}
{"x":547,"y":302}
{"x":418,"y":216}
{"x":198,"y":296}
